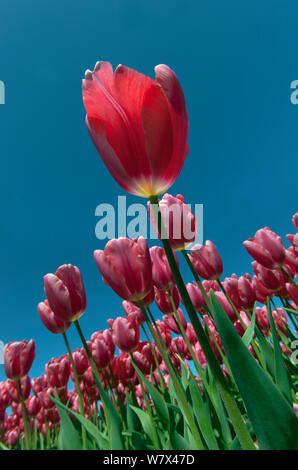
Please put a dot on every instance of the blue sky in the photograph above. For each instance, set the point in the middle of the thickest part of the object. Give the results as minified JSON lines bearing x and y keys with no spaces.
{"x":235,"y":61}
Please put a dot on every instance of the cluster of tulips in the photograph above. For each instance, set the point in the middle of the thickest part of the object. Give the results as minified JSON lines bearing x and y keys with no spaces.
{"x":179,"y":386}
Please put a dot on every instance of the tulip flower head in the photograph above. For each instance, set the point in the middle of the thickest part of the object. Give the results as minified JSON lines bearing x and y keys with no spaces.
{"x":138,"y":125}
{"x":18,"y":358}
{"x":267,"y":248}
{"x":206,"y":261}
{"x":53,"y":323}
{"x":66,"y":293}
{"x":126,"y":267}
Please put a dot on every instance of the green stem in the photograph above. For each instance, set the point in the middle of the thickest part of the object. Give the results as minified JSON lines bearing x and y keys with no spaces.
{"x":27,"y":428}
{"x":289,"y":277}
{"x":81,"y":402}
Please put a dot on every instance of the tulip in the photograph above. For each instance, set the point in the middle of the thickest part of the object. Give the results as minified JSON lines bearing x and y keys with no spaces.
{"x":33,"y":406}
{"x":261,"y":292}
{"x":267,"y":248}
{"x":164,"y":331}
{"x":161,"y":272}
{"x":39,"y":384}
{"x":138,"y":125}
{"x":13,"y":390}
{"x":80,"y":361}
{"x":196,"y":297}
{"x":263,"y":319}
{"x":295,"y":221}
{"x":53,"y":323}
{"x":131,"y":309}
{"x":179,"y":224}
{"x":190,"y":333}
{"x":126,"y":267}
{"x":18,"y":358}
{"x":5,"y":399}
{"x":58,"y":371}
{"x":102,"y":349}
{"x":125,"y":334}
{"x":66,"y":293}
{"x":163,"y":300}
{"x":179,"y":346}
{"x":206,"y":261}
{"x":272,"y":280}
{"x":123,"y":368}
{"x":12,"y":437}
{"x":171,"y":322}
{"x":144,"y":358}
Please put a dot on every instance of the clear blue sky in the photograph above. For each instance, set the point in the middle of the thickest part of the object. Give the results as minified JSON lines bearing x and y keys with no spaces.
{"x":235,"y":61}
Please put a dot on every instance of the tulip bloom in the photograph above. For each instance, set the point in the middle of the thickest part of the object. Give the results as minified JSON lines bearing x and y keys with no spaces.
{"x":179,"y":223}
{"x":13,"y":389}
{"x":138,"y":125}
{"x":267,"y":248}
{"x":66,"y":293}
{"x":163,"y":300}
{"x":206,"y":261}
{"x":162,"y":275}
{"x":18,"y":358}
{"x":125,"y":334}
{"x":58,"y":371}
{"x":50,"y":320}
{"x":295,"y":221}
{"x":126,"y":267}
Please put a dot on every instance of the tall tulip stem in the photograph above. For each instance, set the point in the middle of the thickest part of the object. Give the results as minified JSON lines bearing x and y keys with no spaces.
{"x":25,"y":417}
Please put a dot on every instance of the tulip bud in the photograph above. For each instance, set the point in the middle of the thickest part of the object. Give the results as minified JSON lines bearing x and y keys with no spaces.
{"x":80,"y":361}
{"x":66,"y":293}
{"x":179,"y":346}
{"x":5,"y":399}
{"x":206,"y":261}
{"x":293,"y":292}
{"x":18,"y":358}
{"x":39,"y":384}
{"x":196,"y":297}
{"x":123,"y":368}
{"x":50,"y":320}
{"x":178,"y":222}
{"x":272,"y":280}
{"x":125,"y":334}
{"x":164,"y":331}
{"x":267,"y":248}
{"x":33,"y":406}
{"x":102,"y":349}
{"x":131,"y":309}
{"x":126,"y":267}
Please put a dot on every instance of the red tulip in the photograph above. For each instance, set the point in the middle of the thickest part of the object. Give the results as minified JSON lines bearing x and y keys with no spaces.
{"x":272,"y":279}
{"x":179,"y":346}
{"x":267,"y":248}
{"x":80,"y":361}
{"x":125,"y":334}
{"x":5,"y":399}
{"x":179,"y":224}
{"x":125,"y":266}
{"x":33,"y":405}
{"x":53,"y":323}
{"x":102,"y":349}
{"x":66,"y":293}
{"x":206,"y":261}
{"x":164,"y":331}
{"x":196,"y":297}
{"x":138,"y":125}
{"x":18,"y":358}
{"x":226,"y":305}
{"x":163,"y":300}
{"x":131,"y":309}
{"x":123,"y":368}
{"x":293,"y":292}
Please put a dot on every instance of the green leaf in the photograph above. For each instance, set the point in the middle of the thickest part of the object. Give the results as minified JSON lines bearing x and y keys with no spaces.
{"x":273,"y":419}
{"x":178,"y":441}
{"x":280,"y":371}
{"x":145,"y":420}
{"x":114,"y":420}
{"x":202,"y":414}
{"x":69,"y":437}
{"x":159,"y":403}
{"x":249,"y":333}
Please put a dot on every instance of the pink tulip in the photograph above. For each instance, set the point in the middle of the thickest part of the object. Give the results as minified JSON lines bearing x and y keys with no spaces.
{"x":125,"y":334}
{"x":131,"y":309}
{"x":163,"y":301}
{"x":126,"y":267}
{"x":267,"y":248}
{"x":53,"y":323}
{"x":66,"y":293}
{"x":144,"y":358}
{"x":161,"y":272}
{"x":207,"y":261}
{"x":295,"y":221}
{"x":196,"y":297}
{"x":18,"y":358}
{"x":226,"y":305}
{"x":58,"y":371}
{"x":138,"y":125}
{"x":13,"y":390}
{"x":39,"y":384}
{"x":293,"y":292}
{"x":178,"y":222}
{"x":170,"y":321}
